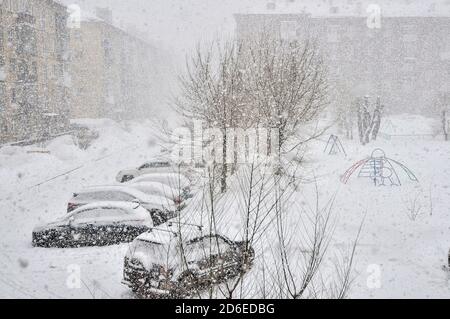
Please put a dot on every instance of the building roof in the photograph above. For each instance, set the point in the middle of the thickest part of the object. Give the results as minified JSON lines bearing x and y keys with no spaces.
{"x":355,"y":8}
{"x":89,"y":18}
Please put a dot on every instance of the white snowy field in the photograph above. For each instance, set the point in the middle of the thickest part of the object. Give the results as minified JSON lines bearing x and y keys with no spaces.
{"x":397,"y":257}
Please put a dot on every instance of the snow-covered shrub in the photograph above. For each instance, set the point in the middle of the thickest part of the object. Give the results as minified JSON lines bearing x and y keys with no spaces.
{"x":83,"y":136}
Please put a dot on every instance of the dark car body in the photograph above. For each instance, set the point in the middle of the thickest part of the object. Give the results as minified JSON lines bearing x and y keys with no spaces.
{"x":176,"y":274}
{"x":157,"y":205}
{"x":98,"y":224}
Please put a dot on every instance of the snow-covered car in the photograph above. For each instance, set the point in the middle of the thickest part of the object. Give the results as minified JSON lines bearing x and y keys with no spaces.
{"x":121,"y":193}
{"x":97,"y":224}
{"x":158,"y":166}
{"x":160,"y":189}
{"x":174,"y":180}
{"x":157,"y":265}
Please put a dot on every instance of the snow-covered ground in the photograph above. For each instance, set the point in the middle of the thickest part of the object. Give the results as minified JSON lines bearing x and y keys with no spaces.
{"x":396,"y":256}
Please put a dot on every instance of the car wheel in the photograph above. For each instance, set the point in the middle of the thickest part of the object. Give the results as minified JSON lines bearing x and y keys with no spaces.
{"x":189,"y":283}
{"x":127,"y":178}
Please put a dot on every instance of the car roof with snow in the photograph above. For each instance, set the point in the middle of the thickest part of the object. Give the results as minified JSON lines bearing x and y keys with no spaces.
{"x":162,"y":176}
{"x":126,"y":189}
{"x":150,"y":183}
{"x":128,"y":207}
{"x":166,"y":233}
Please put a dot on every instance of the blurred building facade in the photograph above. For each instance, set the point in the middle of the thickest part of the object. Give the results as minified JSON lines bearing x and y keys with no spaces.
{"x":53,"y":68}
{"x":403,"y":59}
{"x":112,"y":72}
{"x":33,"y":69}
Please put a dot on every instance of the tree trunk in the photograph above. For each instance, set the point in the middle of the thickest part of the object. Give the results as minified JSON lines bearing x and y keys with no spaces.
{"x":224,"y":162}
{"x":445,"y":125}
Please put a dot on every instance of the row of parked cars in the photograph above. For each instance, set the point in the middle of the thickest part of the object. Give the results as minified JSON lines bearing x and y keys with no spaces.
{"x":166,"y":258}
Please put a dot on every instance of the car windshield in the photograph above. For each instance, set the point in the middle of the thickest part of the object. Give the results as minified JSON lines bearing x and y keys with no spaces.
{"x":200,"y":248}
{"x":150,"y":252}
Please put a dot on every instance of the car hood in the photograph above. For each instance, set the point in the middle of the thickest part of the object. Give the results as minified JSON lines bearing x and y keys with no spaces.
{"x":46,"y":226}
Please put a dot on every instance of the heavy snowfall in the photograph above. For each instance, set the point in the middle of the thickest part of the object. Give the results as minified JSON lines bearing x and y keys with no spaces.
{"x":279,"y":149}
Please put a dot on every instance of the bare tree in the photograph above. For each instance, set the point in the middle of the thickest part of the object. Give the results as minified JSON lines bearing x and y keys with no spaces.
{"x":291,"y":242}
{"x":261,"y":83}
{"x":212,"y":91}
{"x":286,"y":81}
{"x":344,"y":108}
{"x":440,"y":109}
{"x":445,"y":124}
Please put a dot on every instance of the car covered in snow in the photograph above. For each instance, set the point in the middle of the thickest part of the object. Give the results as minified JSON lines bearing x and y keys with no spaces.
{"x":97,"y":224}
{"x":174,"y":180}
{"x":156,"y":166}
{"x":121,"y":193}
{"x":162,"y":264}
{"x":160,"y":189}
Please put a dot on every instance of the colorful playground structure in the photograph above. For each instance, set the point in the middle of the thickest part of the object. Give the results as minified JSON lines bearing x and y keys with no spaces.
{"x":380,"y":169}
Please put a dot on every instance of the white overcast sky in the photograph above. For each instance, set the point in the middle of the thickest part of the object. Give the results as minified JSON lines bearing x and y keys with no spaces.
{"x":179,"y":24}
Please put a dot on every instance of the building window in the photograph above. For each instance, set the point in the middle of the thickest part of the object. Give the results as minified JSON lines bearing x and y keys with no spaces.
{"x":33,"y":72}
{"x":408,"y":83}
{"x":445,"y":52}
{"x":333,"y":51}
{"x":410,"y":50}
{"x":288,"y":30}
{"x":24,"y":6}
{"x":409,"y":41}
{"x":26,"y":72}
{"x":13,"y":95}
{"x":333,"y":34}
{"x":25,"y":39}
{"x":410,"y":37}
{"x":12,"y":66}
{"x":409,"y":66}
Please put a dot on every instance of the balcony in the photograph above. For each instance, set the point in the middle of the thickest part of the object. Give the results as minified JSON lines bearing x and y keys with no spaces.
{"x":24,"y":18}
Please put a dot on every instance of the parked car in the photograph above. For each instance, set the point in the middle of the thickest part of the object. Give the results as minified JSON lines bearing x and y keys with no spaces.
{"x":160,"y":189}
{"x":157,"y":166}
{"x":97,"y":224}
{"x":174,"y":180}
{"x":121,"y":193}
{"x":154,"y":266}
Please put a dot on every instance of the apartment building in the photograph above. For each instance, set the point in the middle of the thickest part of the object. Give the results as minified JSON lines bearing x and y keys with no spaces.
{"x":402,"y":56}
{"x":33,"y":69}
{"x":112,"y":72}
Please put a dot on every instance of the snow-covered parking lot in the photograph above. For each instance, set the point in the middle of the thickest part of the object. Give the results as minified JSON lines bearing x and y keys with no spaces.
{"x":399,"y":255}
